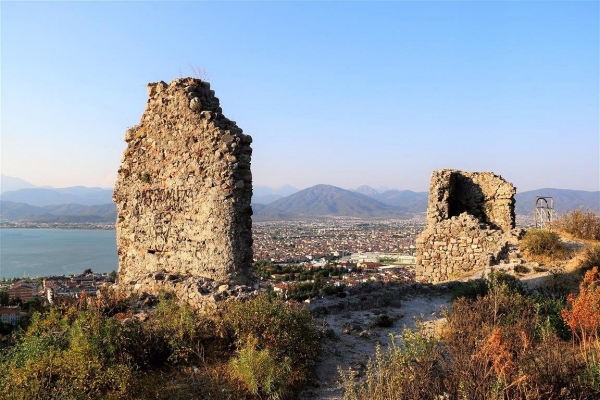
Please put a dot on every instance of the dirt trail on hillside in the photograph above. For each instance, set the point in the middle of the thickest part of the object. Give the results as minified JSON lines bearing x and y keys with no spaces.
{"x":351,"y":339}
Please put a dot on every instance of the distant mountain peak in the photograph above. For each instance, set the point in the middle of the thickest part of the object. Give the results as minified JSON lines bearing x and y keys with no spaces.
{"x":10,"y":183}
{"x":330,"y":201}
{"x":366,"y":190}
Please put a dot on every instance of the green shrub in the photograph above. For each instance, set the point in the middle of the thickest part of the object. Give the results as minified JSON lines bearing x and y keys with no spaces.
{"x":86,"y":349}
{"x":471,"y":289}
{"x":176,"y":322}
{"x":384,"y":321}
{"x":580,"y":224}
{"x":541,"y":242}
{"x":57,"y":359}
{"x":260,"y":371}
{"x":76,"y":351}
{"x":521,"y":269}
{"x":548,"y":310}
{"x":411,"y":370}
{"x":284,"y":330}
{"x":480,"y":287}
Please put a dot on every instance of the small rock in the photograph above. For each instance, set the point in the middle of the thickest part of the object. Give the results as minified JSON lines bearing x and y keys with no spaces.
{"x":161,"y":86}
{"x":329,"y":333}
{"x":151,"y":89}
{"x":223,"y":288}
{"x":195,"y":104}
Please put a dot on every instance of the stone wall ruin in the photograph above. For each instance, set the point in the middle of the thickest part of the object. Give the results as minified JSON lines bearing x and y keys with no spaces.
{"x":470,"y":222}
{"x":183,"y":194}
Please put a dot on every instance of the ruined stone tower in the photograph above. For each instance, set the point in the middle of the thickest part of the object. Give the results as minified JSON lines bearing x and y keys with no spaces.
{"x":183,"y":192}
{"x":470,"y":218}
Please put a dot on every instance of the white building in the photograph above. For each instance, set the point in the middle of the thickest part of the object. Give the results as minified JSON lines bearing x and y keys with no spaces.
{"x":10,"y":315}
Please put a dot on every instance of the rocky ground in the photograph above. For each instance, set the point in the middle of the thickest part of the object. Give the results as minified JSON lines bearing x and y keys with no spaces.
{"x":352,"y":337}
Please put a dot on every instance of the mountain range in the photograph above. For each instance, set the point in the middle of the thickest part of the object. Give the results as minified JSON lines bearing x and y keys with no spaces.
{"x":83,"y":204}
{"x":331,"y":201}
{"x":564,"y":200}
{"x":62,"y":213}
{"x":21,"y":200}
{"x":265,"y":195}
{"x":10,"y":183}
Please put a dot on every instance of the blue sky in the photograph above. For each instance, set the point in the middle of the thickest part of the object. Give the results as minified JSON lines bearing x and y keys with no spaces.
{"x":343,"y":93}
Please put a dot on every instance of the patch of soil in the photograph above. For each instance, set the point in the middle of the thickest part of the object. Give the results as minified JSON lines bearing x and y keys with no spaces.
{"x":351,"y":337}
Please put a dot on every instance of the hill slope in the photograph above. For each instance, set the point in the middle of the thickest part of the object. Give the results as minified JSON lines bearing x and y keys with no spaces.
{"x":11,"y":211}
{"x":9,"y":183}
{"x":564,"y":200}
{"x":327,"y":200}
{"x":72,"y":195}
{"x":415,"y":202}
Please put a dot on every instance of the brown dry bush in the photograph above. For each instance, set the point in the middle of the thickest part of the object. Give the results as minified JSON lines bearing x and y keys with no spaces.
{"x":580,"y":224}
{"x":590,"y":257}
{"x":503,"y":345}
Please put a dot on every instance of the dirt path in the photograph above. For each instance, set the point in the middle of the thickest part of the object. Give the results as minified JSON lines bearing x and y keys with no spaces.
{"x":351,"y":338}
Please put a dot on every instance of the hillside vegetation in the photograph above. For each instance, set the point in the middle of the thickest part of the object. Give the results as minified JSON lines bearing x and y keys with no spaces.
{"x":501,"y":341}
{"x":97,"y":349}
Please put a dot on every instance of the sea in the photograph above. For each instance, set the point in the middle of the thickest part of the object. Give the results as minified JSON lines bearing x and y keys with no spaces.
{"x":44,"y":252}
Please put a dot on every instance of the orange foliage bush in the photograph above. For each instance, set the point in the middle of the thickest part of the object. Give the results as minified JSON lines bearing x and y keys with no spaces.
{"x":583,"y":312}
{"x":496,"y":352}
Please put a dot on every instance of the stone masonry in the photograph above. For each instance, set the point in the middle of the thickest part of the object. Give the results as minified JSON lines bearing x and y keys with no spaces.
{"x":183,"y":195}
{"x":470,"y":223}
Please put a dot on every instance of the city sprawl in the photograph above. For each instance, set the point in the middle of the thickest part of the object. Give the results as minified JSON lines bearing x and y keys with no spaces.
{"x":286,"y":241}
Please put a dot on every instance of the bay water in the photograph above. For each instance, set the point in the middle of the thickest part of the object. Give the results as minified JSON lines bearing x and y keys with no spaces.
{"x":44,"y":252}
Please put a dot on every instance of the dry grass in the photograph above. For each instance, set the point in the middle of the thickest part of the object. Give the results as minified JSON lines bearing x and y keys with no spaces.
{"x":583,"y":225}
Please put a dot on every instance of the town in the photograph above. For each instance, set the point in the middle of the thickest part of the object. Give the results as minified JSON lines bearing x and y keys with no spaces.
{"x":299,"y":260}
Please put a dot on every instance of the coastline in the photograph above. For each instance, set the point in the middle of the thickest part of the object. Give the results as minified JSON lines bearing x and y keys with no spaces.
{"x":32,"y":225}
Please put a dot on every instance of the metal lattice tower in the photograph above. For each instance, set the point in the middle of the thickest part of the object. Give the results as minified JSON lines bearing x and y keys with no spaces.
{"x":544,"y":212}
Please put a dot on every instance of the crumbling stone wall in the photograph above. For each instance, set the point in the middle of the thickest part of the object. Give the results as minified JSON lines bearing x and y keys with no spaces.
{"x":470,"y":222}
{"x":484,"y":195}
{"x":183,"y":193}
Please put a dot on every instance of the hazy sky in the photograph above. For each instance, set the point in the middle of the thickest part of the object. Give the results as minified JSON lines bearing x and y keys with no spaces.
{"x":343,"y":93}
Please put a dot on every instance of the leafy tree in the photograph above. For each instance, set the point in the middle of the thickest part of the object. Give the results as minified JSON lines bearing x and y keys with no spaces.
{"x":3,"y":297}
{"x":5,"y":329}
{"x":112,"y":276}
